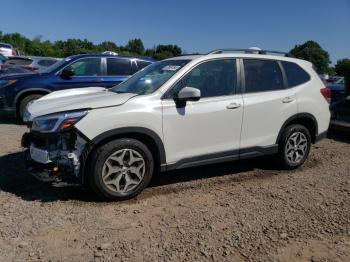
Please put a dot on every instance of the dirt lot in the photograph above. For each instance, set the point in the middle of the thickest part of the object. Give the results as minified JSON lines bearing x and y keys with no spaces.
{"x":238,"y":211}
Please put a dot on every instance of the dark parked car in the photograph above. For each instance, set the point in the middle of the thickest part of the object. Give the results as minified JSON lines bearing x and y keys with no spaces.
{"x":33,"y":63}
{"x":337,"y":88}
{"x":99,"y":70}
{"x":341,"y":113}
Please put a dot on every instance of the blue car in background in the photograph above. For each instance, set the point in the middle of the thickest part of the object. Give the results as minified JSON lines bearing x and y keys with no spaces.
{"x":98,"y":70}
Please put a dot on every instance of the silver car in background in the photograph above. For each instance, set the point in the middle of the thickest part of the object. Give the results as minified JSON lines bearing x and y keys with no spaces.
{"x":7,"y":49}
{"x":32,"y":63}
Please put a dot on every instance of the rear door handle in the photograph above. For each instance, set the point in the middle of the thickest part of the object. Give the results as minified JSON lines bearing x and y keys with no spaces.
{"x":233,"y":105}
{"x":287,"y":99}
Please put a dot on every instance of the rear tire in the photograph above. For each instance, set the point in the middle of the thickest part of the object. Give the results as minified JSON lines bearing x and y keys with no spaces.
{"x":120,"y":169}
{"x":23,"y":104}
{"x":294,"y":146}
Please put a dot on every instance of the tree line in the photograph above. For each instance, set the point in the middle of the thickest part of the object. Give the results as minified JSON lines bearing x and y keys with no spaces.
{"x":37,"y":47}
{"x":310,"y":51}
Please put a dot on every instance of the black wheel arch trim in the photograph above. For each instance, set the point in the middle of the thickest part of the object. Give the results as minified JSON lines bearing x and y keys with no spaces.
{"x":93,"y":143}
{"x":294,"y":117}
{"x":29,"y":90}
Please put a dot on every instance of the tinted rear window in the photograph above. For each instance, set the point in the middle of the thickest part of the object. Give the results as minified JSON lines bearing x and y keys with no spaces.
{"x":295,"y":74}
{"x":19,"y":61}
{"x":117,"y":66}
{"x":46,"y":62}
{"x":262,"y":75}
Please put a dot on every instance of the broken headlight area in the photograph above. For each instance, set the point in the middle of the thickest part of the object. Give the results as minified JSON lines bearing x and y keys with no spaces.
{"x":54,"y":157}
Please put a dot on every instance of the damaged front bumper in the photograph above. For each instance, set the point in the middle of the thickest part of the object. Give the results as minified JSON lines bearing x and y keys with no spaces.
{"x":55,"y":157}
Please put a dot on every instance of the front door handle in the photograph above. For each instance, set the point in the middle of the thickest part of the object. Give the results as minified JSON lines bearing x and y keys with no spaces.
{"x":233,"y":105}
{"x":287,"y":99}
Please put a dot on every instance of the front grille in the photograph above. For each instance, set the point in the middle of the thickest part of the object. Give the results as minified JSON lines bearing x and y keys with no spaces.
{"x":50,"y":141}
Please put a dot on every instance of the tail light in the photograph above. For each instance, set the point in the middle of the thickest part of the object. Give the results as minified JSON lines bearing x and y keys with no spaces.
{"x":327,"y":93}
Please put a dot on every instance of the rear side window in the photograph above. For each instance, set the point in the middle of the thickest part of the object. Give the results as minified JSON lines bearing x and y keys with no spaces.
{"x":117,"y":66}
{"x":141,"y":64}
{"x":295,"y":74}
{"x":262,"y":75}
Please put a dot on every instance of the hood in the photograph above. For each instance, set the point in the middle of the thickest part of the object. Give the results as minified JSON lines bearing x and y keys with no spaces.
{"x":75,"y":99}
{"x":20,"y":76}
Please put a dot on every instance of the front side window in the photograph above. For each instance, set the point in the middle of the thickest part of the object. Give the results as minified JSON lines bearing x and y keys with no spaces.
{"x":262,"y":75}
{"x":213,"y":78}
{"x":118,"y":66}
{"x":150,"y":78}
{"x":295,"y":74}
{"x":86,"y":67}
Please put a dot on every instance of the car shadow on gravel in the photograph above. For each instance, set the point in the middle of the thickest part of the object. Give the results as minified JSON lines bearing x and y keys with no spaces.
{"x":8,"y":120}
{"x":15,"y":180}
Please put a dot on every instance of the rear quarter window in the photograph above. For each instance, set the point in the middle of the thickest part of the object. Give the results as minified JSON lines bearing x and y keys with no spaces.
{"x":117,"y":66}
{"x":295,"y":74}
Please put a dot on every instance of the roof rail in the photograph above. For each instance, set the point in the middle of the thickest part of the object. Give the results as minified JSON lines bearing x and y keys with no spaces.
{"x":190,"y":54}
{"x":249,"y":51}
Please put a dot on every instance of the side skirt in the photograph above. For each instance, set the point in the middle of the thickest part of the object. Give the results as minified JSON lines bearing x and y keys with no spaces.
{"x":222,"y":157}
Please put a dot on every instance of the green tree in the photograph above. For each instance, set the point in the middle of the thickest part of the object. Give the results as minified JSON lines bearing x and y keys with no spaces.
{"x":108,"y":46}
{"x":313,"y":52}
{"x":135,"y":46}
{"x":173,"y":49}
{"x":342,"y":68}
{"x":73,"y":46}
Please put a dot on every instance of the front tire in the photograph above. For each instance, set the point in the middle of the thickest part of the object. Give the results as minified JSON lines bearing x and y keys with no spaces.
{"x":120,"y":169}
{"x":294,"y":146}
{"x":24,"y":102}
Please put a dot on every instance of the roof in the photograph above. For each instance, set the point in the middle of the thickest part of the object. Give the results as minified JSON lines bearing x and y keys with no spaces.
{"x":108,"y":55}
{"x":184,"y":57}
{"x":227,"y":53}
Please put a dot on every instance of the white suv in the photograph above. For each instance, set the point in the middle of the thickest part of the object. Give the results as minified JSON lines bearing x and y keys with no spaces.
{"x":177,"y":113}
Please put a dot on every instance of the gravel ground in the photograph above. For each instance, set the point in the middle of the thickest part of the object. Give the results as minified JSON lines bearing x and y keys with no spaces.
{"x":240,"y":211}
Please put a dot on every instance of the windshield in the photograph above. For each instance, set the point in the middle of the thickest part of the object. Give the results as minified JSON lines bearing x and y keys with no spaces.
{"x":150,"y":78}
{"x":56,"y":65}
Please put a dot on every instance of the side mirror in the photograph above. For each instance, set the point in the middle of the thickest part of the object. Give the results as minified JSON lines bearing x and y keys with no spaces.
{"x":187,"y":94}
{"x":67,"y":73}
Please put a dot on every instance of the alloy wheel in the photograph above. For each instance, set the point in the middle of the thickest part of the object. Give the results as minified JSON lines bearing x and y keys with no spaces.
{"x":123,"y":170}
{"x":296,"y":147}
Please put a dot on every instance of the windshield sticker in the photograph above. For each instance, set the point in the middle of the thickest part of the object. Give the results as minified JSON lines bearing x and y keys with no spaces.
{"x":171,"y":68}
